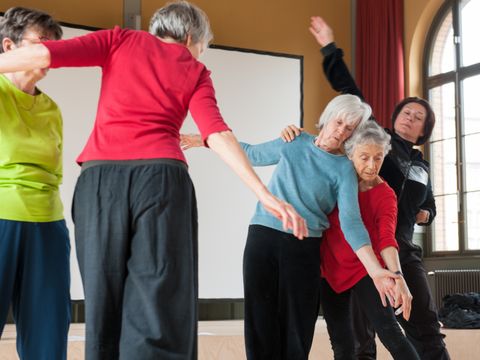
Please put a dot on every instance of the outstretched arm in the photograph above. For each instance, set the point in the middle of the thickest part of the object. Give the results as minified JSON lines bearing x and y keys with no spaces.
{"x":227,"y":147}
{"x":334,"y":67}
{"x":264,"y":154}
{"x":25,"y":58}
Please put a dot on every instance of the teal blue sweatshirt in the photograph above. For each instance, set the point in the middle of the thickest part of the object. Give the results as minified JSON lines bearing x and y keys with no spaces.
{"x":313,"y":181}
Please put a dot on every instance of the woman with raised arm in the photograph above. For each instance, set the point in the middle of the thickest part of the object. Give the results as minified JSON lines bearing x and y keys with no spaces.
{"x":281,"y":275}
{"x":134,"y":205}
{"x":407,"y":172}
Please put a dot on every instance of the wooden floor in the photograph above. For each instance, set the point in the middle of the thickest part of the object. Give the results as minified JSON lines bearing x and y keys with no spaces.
{"x":223,"y":340}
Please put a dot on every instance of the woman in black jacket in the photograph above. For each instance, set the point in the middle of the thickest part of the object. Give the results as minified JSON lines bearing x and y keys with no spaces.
{"x":407,"y":173}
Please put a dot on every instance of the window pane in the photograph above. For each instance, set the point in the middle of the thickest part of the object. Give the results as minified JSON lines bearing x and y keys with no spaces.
{"x":442,"y":99}
{"x":470,"y":27}
{"x":445,"y":225}
{"x":471,"y":110}
{"x":472,"y":162}
{"x":442,"y":58}
{"x":473,"y":221}
{"x":444,"y":174}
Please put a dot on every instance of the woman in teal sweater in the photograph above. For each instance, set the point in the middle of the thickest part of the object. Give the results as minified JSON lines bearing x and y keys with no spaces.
{"x":281,"y":273}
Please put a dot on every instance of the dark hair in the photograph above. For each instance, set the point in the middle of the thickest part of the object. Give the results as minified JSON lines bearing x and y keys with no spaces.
{"x":429,"y":118}
{"x":17,"y":20}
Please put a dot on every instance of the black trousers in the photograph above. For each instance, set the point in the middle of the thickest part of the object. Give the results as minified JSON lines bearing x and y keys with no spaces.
{"x":136,"y":236}
{"x":423,"y":328}
{"x":336,"y":308}
{"x":281,"y":275}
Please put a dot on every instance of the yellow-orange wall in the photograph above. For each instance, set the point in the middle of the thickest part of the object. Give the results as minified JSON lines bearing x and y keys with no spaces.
{"x":97,"y":13}
{"x":270,"y":25}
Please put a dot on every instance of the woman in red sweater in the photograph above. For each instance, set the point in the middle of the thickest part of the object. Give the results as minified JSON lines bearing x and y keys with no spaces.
{"x":134,"y":205}
{"x":344,"y":275}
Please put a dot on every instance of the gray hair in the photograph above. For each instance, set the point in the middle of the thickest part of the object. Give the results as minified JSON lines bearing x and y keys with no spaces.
{"x":17,"y":20}
{"x":179,"y":19}
{"x":349,"y":108}
{"x":368,"y":133}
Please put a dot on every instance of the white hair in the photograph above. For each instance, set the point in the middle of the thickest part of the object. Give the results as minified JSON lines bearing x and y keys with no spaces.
{"x":179,"y":19}
{"x":349,"y":108}
{"x":368,"y":133}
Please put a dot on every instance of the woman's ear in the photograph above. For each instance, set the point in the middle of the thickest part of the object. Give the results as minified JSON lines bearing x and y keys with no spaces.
{"x":8,"y":44}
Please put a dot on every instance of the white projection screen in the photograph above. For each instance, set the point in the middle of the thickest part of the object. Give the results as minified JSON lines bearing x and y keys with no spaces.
{"x":258,"y":94}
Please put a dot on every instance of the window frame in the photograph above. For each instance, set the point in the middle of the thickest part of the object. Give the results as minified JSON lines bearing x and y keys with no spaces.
{"x":456,"y":77}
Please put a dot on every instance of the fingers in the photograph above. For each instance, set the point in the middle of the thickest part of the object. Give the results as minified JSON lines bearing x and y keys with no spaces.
{"x":290,"y":133}
{"x":285,"y":135}
{"x":300,"y":229}
{"x":313,"y":31}
{"x":316,"y":24}
{"x":406,"y":310}
{"x":407,"y":306}
{"x":383,"y":298}
{"x":391,"y":297}
{"x":288,"y":216}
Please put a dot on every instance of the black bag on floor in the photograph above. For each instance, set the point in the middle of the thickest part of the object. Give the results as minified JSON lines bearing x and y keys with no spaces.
{"x":461,"y":311}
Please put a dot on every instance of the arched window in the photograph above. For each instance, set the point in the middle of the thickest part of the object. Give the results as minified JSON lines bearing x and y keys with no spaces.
{"x":452,"y":85}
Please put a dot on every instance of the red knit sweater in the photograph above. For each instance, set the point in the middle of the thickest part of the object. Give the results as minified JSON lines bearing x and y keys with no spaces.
{"x":148,"y":86}
{"x":339,"y":264}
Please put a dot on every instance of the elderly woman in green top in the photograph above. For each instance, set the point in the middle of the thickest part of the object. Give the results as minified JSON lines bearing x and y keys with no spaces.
{"x":34,"y":242}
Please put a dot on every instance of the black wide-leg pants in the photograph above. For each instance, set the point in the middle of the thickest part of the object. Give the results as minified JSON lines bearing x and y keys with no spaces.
{"x":281,"y":277}
{"x":136,"y":241}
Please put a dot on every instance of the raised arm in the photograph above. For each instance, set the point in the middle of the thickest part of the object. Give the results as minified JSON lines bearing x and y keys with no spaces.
{"x":87,"y":50}
{"x":25,"y":58}
{"x":334,"y":67}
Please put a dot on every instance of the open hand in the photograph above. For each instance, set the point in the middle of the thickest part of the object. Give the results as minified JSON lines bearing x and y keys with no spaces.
{"x":290,"y":133}
{"x":321,"y":31}
{"x":403,"y":298}
{"x":384,"y":281}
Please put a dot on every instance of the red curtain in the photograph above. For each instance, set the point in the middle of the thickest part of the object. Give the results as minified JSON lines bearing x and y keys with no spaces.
{"x":379,"y":65}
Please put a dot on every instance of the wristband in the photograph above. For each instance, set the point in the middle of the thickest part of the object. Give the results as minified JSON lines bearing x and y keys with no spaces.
{"x":398,"y":272}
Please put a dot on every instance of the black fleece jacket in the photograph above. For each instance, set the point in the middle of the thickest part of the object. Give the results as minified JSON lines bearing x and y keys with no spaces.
{"x":404,"y":168}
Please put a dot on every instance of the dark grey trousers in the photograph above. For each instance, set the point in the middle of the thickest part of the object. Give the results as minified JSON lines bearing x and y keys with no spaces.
{"x":423,"y":328}
{"x":136,"y":240}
